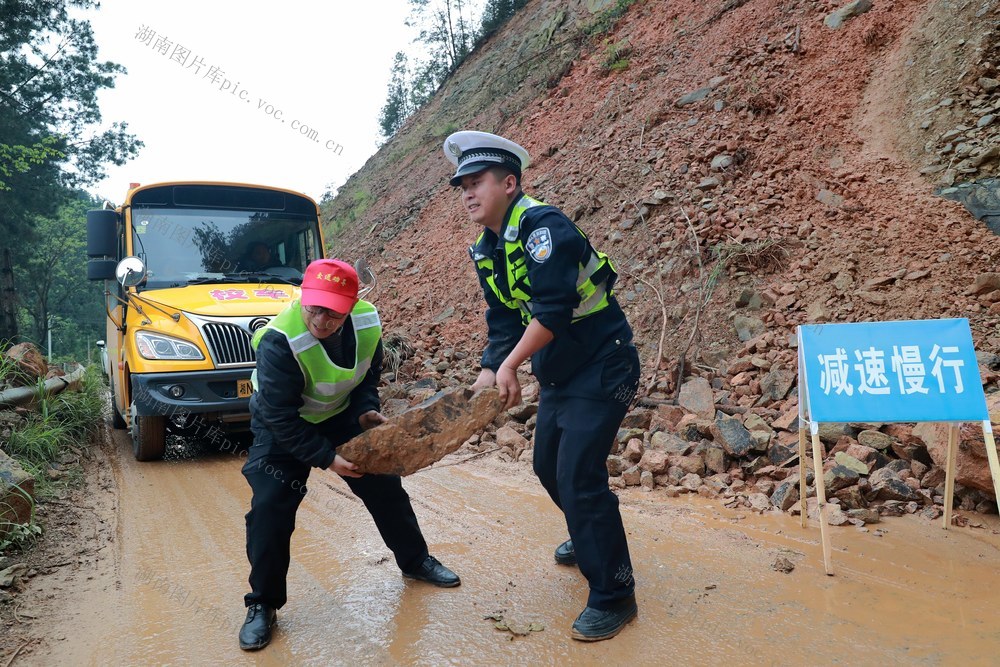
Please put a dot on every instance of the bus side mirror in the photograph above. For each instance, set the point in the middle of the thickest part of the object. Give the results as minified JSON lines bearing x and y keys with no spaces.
{"x":130,"y":271}
{"x":102,"y":233}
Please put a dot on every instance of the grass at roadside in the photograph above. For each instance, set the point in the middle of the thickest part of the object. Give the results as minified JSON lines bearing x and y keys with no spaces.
{"x":50,"y":438}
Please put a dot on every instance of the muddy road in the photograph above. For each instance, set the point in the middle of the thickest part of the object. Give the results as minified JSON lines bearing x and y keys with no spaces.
{"x":163,"y":571}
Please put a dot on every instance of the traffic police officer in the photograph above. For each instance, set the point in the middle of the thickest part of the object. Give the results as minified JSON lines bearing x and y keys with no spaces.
{"x":549,"y":296}
{"x":316,"y":387}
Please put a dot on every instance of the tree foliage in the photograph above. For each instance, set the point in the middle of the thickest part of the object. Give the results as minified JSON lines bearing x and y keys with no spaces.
{"x":50,"y":134}
{"x":447,"y":34}
{"x":52,"y":139}
{"x":48,"y":275}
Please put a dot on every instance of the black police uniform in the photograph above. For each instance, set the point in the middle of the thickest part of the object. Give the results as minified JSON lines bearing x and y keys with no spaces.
{"x":588,"y":375}
{"x":286,"y":446}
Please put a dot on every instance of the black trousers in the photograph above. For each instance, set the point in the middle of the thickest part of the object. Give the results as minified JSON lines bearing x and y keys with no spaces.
{"x":278,"y":481}
{"x":577,"y":424}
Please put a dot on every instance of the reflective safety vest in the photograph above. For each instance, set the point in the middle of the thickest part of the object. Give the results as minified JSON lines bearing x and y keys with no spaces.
{"x":593,"y":283}
{"x":328,"y":387}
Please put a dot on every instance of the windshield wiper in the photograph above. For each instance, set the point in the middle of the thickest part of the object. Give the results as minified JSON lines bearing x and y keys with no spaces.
{"x":265,"y":277}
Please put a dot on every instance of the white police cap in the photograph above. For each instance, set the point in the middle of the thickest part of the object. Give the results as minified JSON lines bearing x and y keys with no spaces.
{"x":472,"y":152}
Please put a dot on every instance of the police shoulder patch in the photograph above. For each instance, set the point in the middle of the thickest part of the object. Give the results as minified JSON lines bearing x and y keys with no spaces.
{"x":539,"y":244}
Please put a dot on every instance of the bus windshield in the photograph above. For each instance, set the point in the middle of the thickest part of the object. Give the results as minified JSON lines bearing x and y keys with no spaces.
{"x":192,"y":246}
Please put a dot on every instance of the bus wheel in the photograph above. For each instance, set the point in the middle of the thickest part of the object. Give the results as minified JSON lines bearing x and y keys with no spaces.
{"x":149,"y":436}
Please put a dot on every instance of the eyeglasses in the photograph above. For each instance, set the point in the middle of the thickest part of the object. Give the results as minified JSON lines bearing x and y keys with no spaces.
{"x":320,"y":310}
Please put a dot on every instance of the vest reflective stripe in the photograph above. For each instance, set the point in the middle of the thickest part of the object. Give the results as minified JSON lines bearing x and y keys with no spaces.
{"x":328,"y":387}
{"x":593,"y":283}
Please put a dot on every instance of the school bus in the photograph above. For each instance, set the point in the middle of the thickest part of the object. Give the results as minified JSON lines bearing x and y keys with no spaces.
{"x":192,"y":270}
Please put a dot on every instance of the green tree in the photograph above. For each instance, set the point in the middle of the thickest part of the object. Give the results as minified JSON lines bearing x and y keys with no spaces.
{"x":48,"y":279}
{"x":398,"y":102}
{"x":495,"y":14}
{"x":50,"y":123}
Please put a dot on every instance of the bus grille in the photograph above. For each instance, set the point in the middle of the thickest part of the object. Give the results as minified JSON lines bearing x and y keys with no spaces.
{"x":229,"y":343}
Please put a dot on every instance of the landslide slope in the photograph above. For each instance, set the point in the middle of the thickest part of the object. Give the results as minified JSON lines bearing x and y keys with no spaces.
{"x":793,"y":179}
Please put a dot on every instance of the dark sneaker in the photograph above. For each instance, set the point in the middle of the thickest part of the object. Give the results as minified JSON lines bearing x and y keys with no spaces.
{"x":433,"y":572}
{"x":593,"y":625}
{"x":565,"y":554}
{"x":256,"y":631}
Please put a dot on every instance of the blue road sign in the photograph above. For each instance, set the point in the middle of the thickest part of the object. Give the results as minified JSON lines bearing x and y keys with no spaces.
{"x":906,"y":371}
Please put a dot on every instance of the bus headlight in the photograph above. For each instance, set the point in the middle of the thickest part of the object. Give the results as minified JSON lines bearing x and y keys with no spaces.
{"x":158,"y":346}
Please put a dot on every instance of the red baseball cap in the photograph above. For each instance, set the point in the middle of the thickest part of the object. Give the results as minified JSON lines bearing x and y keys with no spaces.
{"x":332,"y":284}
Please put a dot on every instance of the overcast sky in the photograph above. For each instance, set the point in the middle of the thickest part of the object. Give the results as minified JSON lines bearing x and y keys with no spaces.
{"x":279,"y":66}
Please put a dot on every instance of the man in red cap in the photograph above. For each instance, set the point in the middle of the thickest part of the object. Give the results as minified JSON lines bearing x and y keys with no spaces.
{"x":316,"y":387}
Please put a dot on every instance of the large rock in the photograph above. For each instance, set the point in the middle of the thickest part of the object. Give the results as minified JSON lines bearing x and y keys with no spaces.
{"x":17,"y":491}
{"x":856,"y":8}
{"x":424,"y":434}
{"x":971,"y":465}
{"x":670,"y":443}
{"x":777,"y":383}
{"x":732,"y":435}
{"x":656,"y":462}
{"x":696,"y":396}
{"x":787,"y":493}
{"x":30,"y":363}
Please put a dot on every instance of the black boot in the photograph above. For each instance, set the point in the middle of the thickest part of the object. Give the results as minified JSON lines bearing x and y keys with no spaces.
{"x":433,"y":572}
{"x":565,"y":555}
{"x":596,"y":624}
{"x":256,"y":631}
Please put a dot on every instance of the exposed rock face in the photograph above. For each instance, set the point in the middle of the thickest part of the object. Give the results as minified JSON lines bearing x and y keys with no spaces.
{"x":424,"y":434}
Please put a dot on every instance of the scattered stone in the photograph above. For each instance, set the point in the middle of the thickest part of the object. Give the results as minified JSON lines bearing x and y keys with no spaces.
{"x":638,"y":419}
{"x":715,"y":459}
{"x":10,"y":575}
{"x":776,"y":384}
{"x":696,"y":396}
{"x":874,"y":439}
{"x":831,"y":433}
{"x":670,"y":443}
{"x":848,"y":461}
{"x":748,"y":327}
{"x":508,"y":438}
{"x":831,"y":199}
{"x":694,"y":96}
{"x":616,"y":465}
{"x":732,"y":435}
{"x":972,"y":468}
{"x":691,"y":482}
{"x":786,"y":494}
{"x":759,"y":502}
{"x":836,"y":516}
{"x":894,"y":488}
{"x":778,"y":453}
{"x":988,"y":84}
{"x":866,"y":515}
{"x":633,"y":450}
{"x":836,"y":19}
{"x":632,"y":476}
{"x":932,"y":512}
{"x":646,"y":480}
{"x":840,"y":477}
{"x":721,"y":162}
{"x":655,"y":462}
{"x":782,"y":564}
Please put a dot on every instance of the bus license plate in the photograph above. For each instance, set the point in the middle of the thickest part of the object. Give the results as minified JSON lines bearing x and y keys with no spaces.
{"x":244,"y":388}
